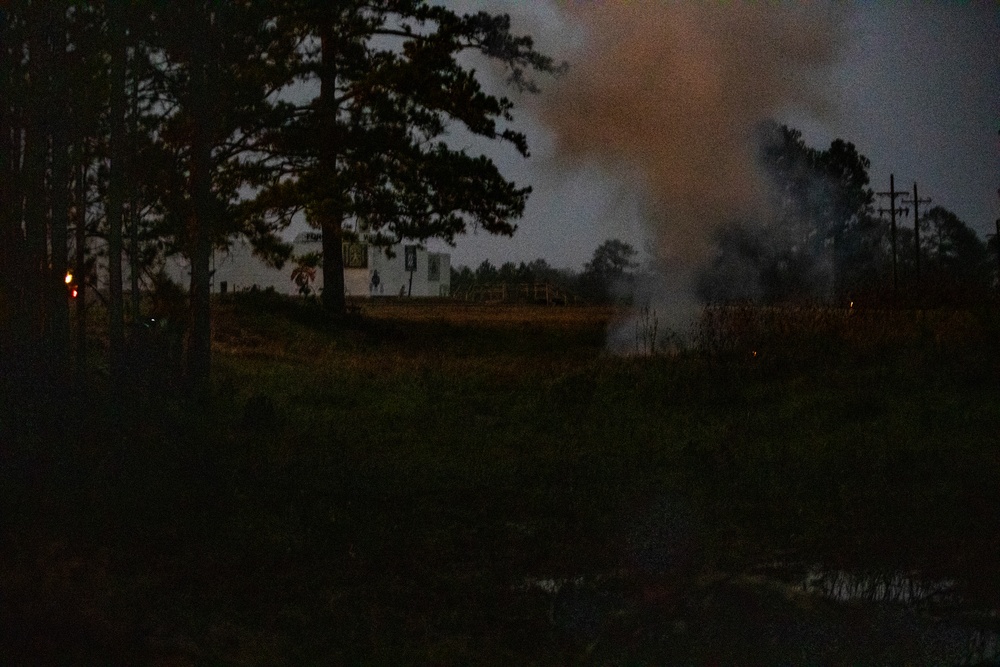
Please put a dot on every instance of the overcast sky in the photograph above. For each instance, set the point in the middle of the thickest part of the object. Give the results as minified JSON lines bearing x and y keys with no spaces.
{"x":915,"y":86}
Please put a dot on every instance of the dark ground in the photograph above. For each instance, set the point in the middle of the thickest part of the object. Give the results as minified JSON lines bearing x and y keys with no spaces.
{"x":444,"y":484}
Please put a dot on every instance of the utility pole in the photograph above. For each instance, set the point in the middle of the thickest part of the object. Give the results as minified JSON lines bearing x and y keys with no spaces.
{"x":916,"y":201}
{"x":996,"y":244}
{"x":892,"y":194}
{"x":996,"y":240}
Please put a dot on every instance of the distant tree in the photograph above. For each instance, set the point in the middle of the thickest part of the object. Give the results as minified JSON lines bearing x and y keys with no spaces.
{"x":612,"y":259}
{"x":608,"y":270}
{"x":957,"y":261}
{"x":540,"y":270}
{"x":487,"y":273}
{"x":865,"y":259}
{"x":817,"y":234}
{"x":735,"y":273}
{"x":507,"y":272}
{"x":993,"y":246}
{"x":821,"y":198}
{"x":949,"y":242}
{"x":510,"y":272}
{"x":537,"y":270}
{"x":461,"y":278}
{"x":524,"y":273}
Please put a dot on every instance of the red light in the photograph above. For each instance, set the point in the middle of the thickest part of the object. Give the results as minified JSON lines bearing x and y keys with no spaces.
{"x":74,"y":293}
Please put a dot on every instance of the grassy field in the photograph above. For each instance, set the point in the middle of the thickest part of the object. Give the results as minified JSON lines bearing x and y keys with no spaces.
{"x":438,"y":483}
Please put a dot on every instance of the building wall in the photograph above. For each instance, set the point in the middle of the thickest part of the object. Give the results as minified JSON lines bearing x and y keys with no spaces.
{"x":238,"y":269}
{"x":423,"y":274}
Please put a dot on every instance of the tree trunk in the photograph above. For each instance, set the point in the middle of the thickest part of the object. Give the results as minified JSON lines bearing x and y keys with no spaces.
{"x":133,"y":205}
{"x":333,"y":267}
{"x":35,"y":224}
{"x":116,"y":189}
{"x":59,"y":184}
{"x":11,"y":246}
{"x":81,"y":263}
{"x":331,"y":217}
{"x":58,"y":299}
{"x":199,"y":347}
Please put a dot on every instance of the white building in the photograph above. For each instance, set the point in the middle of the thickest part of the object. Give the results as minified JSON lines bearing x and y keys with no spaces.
{"x":368,"y":271}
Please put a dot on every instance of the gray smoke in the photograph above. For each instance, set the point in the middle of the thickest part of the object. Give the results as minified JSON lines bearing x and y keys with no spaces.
{"x":671,"y":96}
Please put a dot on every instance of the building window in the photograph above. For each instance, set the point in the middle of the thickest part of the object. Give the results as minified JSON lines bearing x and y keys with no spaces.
{"x":410,"y":258}
{"x":433,"y":268}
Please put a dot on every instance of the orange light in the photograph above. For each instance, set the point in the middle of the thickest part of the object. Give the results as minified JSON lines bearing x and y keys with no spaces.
{"x":69,"y":277}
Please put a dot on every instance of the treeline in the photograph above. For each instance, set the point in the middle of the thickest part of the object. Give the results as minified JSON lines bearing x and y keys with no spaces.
{"x":133,"y":130}
{"x":608,"y":276}
{"x":824,"y":238}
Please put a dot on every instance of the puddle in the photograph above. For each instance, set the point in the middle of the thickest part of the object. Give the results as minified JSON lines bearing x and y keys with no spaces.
{"x":553,"y":585}
{"x":931,"y":609}
{"x":892,"y":587}
{"x":550,"y":586}
{"x":886,"y":618}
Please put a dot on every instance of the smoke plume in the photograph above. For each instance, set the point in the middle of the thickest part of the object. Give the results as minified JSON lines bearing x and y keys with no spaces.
{"x":671,"y":94}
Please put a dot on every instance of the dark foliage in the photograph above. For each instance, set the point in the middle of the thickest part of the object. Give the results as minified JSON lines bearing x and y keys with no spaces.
{"x":607,"y":278}
{"x":608,"y":274}
{"x":823,"y":241}
{"x":158,"y":129}
{"x":369,"y":155}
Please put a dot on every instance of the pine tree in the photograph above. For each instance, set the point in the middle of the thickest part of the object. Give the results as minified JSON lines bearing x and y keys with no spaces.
{"x":218,"y":67}
{"x":369,"y":154}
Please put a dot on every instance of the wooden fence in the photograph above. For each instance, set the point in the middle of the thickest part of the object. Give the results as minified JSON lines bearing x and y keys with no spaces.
{"x":541,"y":293}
